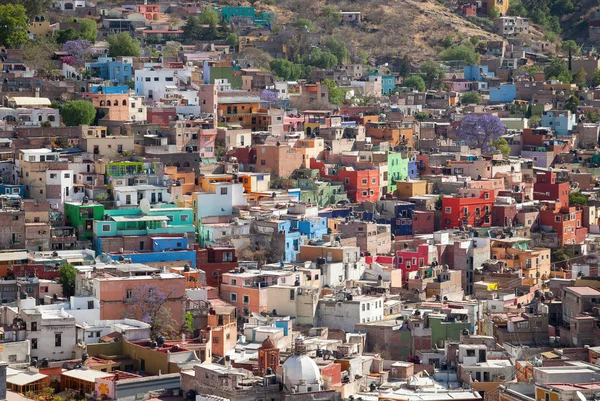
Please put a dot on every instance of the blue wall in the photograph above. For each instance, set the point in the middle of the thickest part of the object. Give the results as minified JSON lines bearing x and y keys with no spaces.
{"x":164,"y":243}
{"x":476,"y":72}
{"x":157,"y":257}
{"x":504,"y":94}
{"x":6,"y":189}
{"x":412,"y":169}
{"x":561,"y":121}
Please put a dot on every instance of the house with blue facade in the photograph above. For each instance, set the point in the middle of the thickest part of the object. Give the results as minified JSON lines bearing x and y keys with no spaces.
{"x":505,"y":93}
{"x":560,"y":121}
{"x":413,"y":171}
{"x":398,"y":214}
{"x":110,"y":69}
{"x":8,"y":189}
{"x":282,"y":231}
{"x":151,"y":236}
{"x":311,"y":227}
{"x":477,"y":72}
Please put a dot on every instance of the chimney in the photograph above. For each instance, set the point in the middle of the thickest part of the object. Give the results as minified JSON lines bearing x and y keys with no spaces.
{"x":37,"y":92}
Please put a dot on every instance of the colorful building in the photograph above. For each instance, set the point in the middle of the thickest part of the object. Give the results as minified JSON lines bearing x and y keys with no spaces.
{"x":468,"y":210}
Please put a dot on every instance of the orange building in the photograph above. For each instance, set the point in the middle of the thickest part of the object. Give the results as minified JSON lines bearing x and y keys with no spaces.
{"x":222,"y":320}
{"x":400,"y":135}
{"x":244,"y":111}
{"x":278,"y":160}
{"x":112,"y":107}
{"x":182,"y":182}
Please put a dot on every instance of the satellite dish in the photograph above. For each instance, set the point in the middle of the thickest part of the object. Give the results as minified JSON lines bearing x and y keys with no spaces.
{"x":580,"y":396}
{"x":145,"y":206}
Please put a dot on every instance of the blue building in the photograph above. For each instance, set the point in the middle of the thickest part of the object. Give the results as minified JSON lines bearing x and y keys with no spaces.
{"x":401,"y":220}
{"x":109,"y":90}
{"x":164,"y":250}
{"x":506,"y":93}
{"x":413,"y":171}
{"x":561,"y":121}
{"x":477,"y":72}
{"x":7,"y":189}
{"x":312,"y":227}
{"x":112,"y":70}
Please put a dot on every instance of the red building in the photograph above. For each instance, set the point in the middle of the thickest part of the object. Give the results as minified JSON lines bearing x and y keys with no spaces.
{"x":566,"y":221}
{"x":468,"y":10}
{"x":161,"y":115}
{"x":547,"y":189}
{"x":360,"y":185}
{"x":472,"y":210}
{"x":214,"y":262}
{"x":504,"y":215}
{"x":410,"y":260}
{"x":423,"y":222}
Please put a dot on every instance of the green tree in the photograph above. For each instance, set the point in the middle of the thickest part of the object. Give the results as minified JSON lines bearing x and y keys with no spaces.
{"x":232,"y":40}
{"x":571,"y":45}
{"x":572,"y":103}
{"x":337,"y":95}
{"x":558,"y":68}
{"x":502,"y":145}
{"x":78,"y":112}
{"x":420,"y":116}
{"x":592,"y":116}
{"x":448,"y":41}
{"x":338,"y":49}
{"x":37,"y":54}
{"x":415,"y":82}
{"x":67,"y":275}
{"x":493,"y":13}
{"x":170,"y":48}
{"x":432,"y":73}
{"x":579,"y":77}
{"x":285,"y":69}
{"x":64,"y":35}
{"x":595,"y":79}
{"x":32,"y":7}
{"x":13,"y":25}
{"x":88,"y":29}
{"x":534,"y":120}
{"x":321,"y":59}
{"x":404,"y":67}
{"x":471,"y":98}
{"x":331,"y":17}
{"x":123,"y":44}
{"x":303,"y":23}
{"x":463,"y":52}
{"x":189,"y":321}
{"x":208,"y":16}
{"x":577,"y":199}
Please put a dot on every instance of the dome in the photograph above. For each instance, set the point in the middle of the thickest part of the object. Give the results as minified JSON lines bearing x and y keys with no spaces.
{"x":268,"y":343}
{"x":302,"y":373}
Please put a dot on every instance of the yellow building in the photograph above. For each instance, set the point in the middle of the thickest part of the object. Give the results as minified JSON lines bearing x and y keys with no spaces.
{"x":407,"y":189}
{"x":500,"y":5}
{"x":255,"y":182}
{"x":205,"y":180}
{"x":516,"y":255}
{"x":40,"y":28}
{"x":310,"y":149}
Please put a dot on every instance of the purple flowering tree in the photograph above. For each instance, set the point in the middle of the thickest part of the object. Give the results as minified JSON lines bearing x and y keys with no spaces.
{"x":147,"y":303}
{"x":269,"y":98}
{"x":480,"y":131}
{"x":79,"y":51}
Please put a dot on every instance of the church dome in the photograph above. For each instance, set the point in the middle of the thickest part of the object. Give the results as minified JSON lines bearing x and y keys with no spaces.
{"x":268,"y":343}
{"x":301,"y":373}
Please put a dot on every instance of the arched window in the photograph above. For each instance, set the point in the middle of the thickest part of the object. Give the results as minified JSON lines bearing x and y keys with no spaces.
{"x":101,"y":103}
{"x":124,"y":102}
{"x":108,"y":103}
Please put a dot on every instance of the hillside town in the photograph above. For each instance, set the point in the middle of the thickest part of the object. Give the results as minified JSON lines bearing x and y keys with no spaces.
{"x":244,"y":201}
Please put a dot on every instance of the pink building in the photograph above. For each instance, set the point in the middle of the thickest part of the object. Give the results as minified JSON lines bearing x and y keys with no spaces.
{"x":117,"y":293}
{"x":410,"y":260}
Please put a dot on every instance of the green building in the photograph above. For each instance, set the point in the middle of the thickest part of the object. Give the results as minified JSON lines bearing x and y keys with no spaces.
{"x":397,"y":169}
{"x":444,"y":329}
{"x":81,"y":216}
{"x":324,"y":192}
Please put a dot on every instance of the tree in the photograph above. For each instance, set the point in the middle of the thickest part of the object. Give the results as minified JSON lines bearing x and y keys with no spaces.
{"x":493,"y":13}
{"x":232,"y":40}
{"x":595,"y":79}
{"x":78,"y":112}
{"x":257,"y":58}
{"x":448,"y":41}
{"x":592,"y":116}
{"x":32,"y":7}
{"x":285,"y":69}
{"x":189,"y":321}
{"x":269,"y":98}
{"x":577,"y":199}
{"x":404,"y":68}
{"x":331,"y":17}
{"x":13,"y":25}
{"x":123,"y":44}
{"x":471,"y":98}
{"x":321,"y":59}
{"x":501,"y":145}
{"x":208,"y":16}
{"x":38,"y":54}
{"x":462,"y":52}
{"x":171,"y":48}
{"x":572,"y":46}
{"x":558,"y":68}
{"x":79,"y":50}
{"x":432,"y":73}
{"x":420,"y":116}
{"x":67,"y":276}
{"x":572,"y":103}
{"x":338,"y":49}
{"x":579,"y":77}
{"x":64,"y":35}
{"x":337,"y":95}
{"x":415,"y":82}
{"x":480,"y":131}
{"x":303,"y":23}
{"x":88,"y":29}
{"x":148,"y":303}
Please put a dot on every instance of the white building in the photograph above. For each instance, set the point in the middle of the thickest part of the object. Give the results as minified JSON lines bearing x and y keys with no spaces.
{"x":132,"y":195}
{"x":221,"y":199}
{"x":132,"y":329}
{"x":59,"y":187}
{"x":51,"y":332}
{"x":161,"y":83}
{"x":344,"y":311}
{"x":138,"y":111}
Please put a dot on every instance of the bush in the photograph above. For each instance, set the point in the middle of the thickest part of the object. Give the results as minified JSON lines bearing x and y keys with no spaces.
{"x":471,"y":98}
{"x":78,"y":112}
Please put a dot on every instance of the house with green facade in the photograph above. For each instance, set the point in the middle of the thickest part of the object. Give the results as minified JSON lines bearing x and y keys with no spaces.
{"x":444,"y":328}
{"x":81,"y":216}
{"x":397,"y":169}
{"x":324,"y":192}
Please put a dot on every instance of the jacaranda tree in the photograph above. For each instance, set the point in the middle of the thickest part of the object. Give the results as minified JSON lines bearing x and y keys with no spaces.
{"x":480,"y":131}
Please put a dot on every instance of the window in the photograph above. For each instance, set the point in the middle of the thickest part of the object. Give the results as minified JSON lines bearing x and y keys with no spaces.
{"x":184,"y":218}
{"x":223,"y":191}
{"x":105,"y":228}
{"x":346,"y":180}
{"x":263,"y":162}
{"x":52,"y":175}
{"x":557,"y":219}
{"x":246,"y":299}
{"x":33,"y":326}
{"x":128,"y":293}
{"x":364,"y":181}
{"x":448,"y":210}
{"x":12,"y":358}
{"x":292,"y":295}
{"x":233,"y":297}
{"x":227,"y":256}
{"x":233,"y":281}
{"x":34,"y":343}
{"x":67,"y":175}
{"x":57,"y":339}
